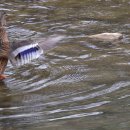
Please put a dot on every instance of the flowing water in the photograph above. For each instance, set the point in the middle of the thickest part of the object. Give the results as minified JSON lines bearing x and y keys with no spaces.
{"x":78,"y":85}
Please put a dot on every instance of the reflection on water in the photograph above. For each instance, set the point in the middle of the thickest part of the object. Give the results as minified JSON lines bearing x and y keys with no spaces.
{"x":80,"y":84}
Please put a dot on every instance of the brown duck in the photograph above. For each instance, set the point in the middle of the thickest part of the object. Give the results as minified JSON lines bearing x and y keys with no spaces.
{"x":20,"y":53}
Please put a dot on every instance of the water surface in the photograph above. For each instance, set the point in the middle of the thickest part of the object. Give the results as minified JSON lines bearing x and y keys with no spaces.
{"x":78,"y":85}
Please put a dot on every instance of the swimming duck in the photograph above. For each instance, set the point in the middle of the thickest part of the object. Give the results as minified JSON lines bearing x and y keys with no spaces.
{"x":20,"y":53}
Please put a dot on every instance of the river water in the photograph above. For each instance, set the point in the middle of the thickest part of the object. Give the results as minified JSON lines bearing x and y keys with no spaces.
{"x":78,"y":85}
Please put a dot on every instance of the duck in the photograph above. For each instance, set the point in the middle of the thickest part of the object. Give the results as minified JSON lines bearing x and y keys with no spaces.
{"x":21,"y":52}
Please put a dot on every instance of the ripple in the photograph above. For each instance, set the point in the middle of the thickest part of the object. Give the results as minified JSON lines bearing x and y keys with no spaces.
{"x":20,"y":33}
{"x":113,"y":88}
{"x":77,"y":116}
{"x":19,"y":116}
{"x":37,"y":7}
{"x":82,"y":107}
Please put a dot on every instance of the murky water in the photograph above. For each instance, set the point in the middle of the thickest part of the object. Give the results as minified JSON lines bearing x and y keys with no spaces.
{"x":80,"y":84}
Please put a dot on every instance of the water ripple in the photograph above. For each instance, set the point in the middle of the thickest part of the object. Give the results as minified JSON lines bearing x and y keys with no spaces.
{"x":80,"y":84}
{"x":77,"y":116}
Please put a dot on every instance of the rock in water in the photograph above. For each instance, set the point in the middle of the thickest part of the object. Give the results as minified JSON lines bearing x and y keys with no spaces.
{"x":106,"y":37}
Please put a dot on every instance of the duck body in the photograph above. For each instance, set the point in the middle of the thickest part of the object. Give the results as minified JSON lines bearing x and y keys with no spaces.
{"x":22,"y":52}
{"x":25,"y":51}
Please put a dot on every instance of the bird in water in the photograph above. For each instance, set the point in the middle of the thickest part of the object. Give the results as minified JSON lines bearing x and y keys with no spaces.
{"x":22,"y":52}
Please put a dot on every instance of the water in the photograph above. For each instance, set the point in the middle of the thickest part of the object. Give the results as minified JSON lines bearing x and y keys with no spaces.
{"x":78,"y":85}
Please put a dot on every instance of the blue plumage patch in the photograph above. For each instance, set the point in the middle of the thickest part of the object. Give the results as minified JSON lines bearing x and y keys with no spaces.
{"x":31,"y":50}
{"x":27,"y":55}
{"x":26,"y":52}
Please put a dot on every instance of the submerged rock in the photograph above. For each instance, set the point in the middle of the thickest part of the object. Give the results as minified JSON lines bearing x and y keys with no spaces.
{"x":106,"y":37}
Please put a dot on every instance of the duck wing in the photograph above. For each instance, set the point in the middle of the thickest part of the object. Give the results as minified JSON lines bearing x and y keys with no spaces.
{"x":25,"y":51}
